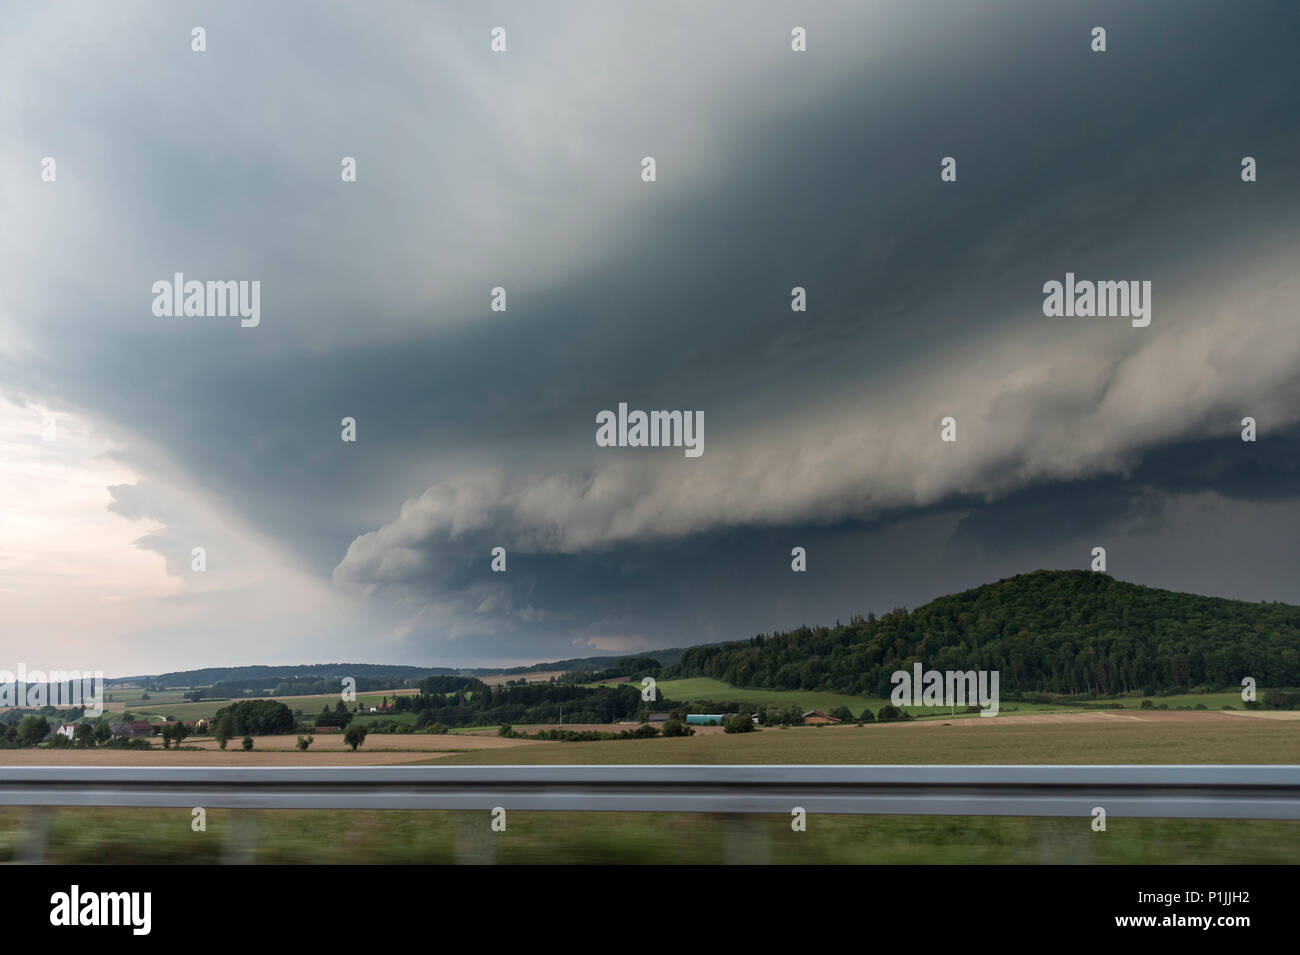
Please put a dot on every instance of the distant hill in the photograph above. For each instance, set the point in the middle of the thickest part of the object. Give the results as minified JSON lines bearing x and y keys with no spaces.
{"x":1071,"y":632}
{"x":269,"y":675}
{"x":368,"y":675}
{"x":664,"y":657}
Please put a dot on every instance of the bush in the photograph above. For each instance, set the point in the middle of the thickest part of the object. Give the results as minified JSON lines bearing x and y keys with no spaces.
{"x":867,"y":716}
{"x":354,"y":736}
{"x":32,"y":729}
{"x":223,"y":728}
{"x":1282,"y":699}
{"x":247,"y":742}
{"x":1147,"y":705}
{"x":263,"y":717}
{"x":304,"y":743}
{"x":677,"y":728}
{"x":740,"y":723}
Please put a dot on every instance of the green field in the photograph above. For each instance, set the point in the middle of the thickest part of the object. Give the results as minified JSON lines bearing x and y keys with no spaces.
{"x":705,"y":688}
{"x":1224,"y":740}
{"x":310,"y":706}
{"x":327,"y":837}
{"x":126,"y":698}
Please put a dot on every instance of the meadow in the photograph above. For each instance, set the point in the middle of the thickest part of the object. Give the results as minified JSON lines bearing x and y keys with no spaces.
{"x":155,"y":707}
{"x":705,"y":688}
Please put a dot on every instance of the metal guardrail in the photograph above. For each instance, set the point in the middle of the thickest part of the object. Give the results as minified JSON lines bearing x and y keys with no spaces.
{"x":1220,"y":792}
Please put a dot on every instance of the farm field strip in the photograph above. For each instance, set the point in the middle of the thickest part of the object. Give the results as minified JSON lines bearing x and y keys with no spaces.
{"x":1040,"y":738}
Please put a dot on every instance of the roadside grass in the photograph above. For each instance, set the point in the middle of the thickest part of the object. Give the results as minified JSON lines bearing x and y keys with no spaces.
{"x":395,"y":837}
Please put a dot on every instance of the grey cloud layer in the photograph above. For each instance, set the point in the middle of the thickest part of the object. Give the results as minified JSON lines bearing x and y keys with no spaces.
{"x":521,"y":170}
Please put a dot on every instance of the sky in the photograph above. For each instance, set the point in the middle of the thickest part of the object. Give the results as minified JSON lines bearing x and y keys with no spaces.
{"x":127,"y":439}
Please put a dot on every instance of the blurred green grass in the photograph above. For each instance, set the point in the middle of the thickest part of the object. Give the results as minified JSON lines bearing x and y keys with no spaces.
{"x":328,"y":837}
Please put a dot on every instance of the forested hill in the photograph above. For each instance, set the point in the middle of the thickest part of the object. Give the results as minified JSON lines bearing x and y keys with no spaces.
{"x":1051,"y":631}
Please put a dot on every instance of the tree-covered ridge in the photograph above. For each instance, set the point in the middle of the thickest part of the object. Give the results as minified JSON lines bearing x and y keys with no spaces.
{"x":1072,"y":631}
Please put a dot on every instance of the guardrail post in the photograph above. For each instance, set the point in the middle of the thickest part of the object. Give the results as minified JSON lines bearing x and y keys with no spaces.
{"x":36,"y":835}
{"x":745,"y":841}
{"x":475,"y":842}
{"x":241,"y":839}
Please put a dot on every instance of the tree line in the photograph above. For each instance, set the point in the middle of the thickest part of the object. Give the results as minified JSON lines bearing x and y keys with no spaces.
{"x":1064,"y":632}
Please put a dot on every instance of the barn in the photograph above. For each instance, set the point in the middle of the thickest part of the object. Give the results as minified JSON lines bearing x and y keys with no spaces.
{"x":705,"y":719}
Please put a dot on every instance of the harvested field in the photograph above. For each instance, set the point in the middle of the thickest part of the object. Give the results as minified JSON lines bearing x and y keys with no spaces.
{"x":1090,"y":737}
{"x":377,"y":750}
{"x":1101,"y":736}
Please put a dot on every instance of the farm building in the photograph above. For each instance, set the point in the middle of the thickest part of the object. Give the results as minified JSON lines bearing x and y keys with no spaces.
{"x":658,"y":717}
{"x":817,"y":716}
{"x":705,"y":719}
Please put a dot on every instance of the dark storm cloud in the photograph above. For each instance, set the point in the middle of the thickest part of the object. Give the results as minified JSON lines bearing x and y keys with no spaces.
{"x":676,"y":294}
